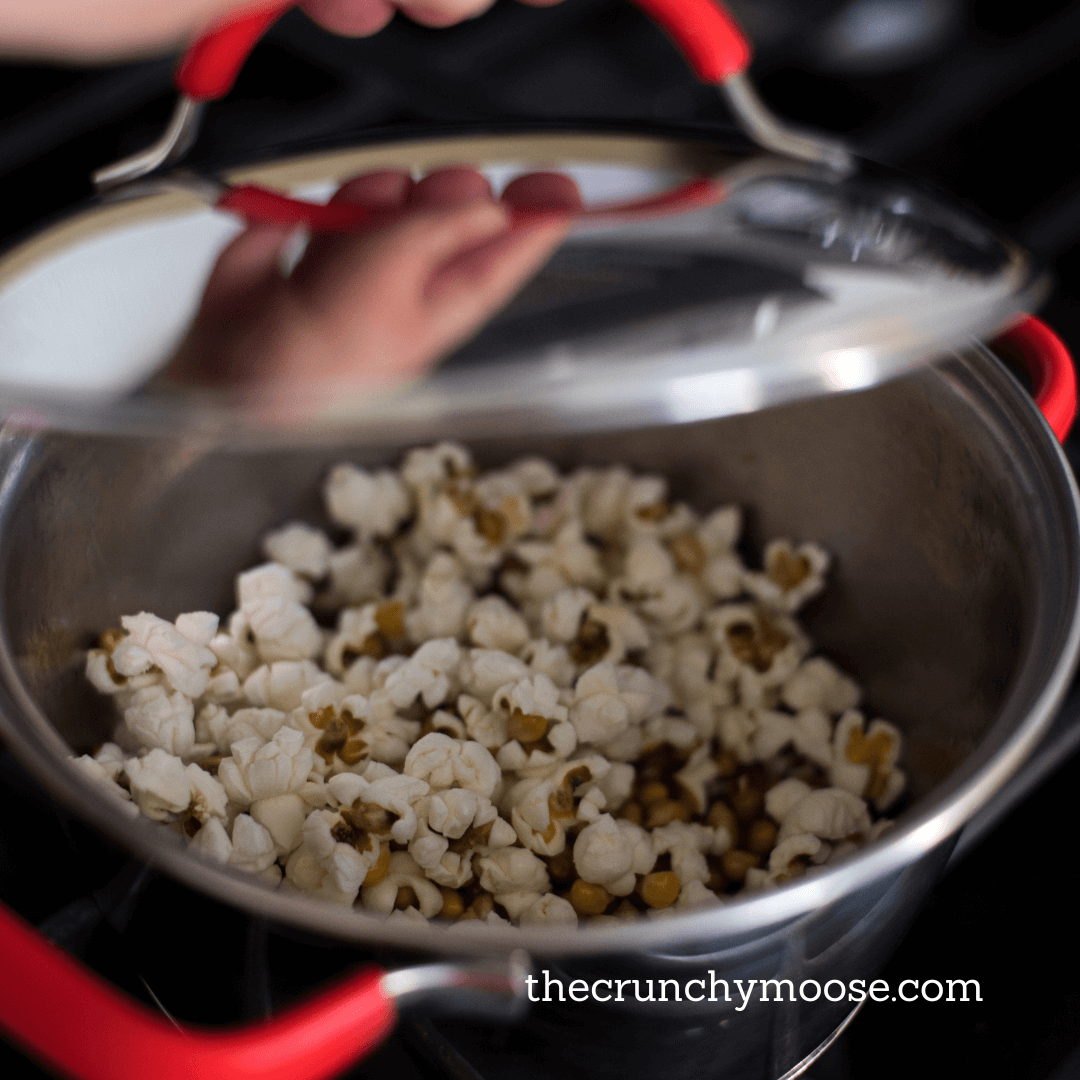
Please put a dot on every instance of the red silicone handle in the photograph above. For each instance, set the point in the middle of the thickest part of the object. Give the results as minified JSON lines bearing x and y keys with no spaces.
{"x":65,"y":1016}
{"x":1052,"y":371}
{"x":708,"y":36}
{"x":261,"y":206}
{"x":209,"y":68}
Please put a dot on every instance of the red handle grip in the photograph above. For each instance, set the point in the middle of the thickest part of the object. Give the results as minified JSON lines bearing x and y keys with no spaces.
{"x":1051,"y":369}
{"x":64,"y":1015}
{"x":708,"y":36}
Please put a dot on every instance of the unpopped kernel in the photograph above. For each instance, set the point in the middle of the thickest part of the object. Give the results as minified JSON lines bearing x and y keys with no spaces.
{"x":544,"y":700}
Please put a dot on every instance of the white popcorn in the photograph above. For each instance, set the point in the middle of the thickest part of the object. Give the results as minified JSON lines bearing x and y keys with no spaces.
{"x":686,"y":844}
{"x":252,"y":845}
{"x":611,"y":853}
{"x":235,"y":650}
{"x":483,"y":671}
{"x":259,"y":770}
{"x":160,"y":785}
{"x":791,"y":575}
{"x":737,"y":727}
{"x":358,"y":573}
{"x":550,"y":660}
{"x":543,"y":807}
{"x":372,"y":504}
{"x":818,"y":684}
{"x":508,"y":647}
{"x":325,"y":867}
{"x":271,"y":581}
{"x":827,"y":813}
{"x":283,"y":817}
{"x":865,"y":764}
{"x":403,"y":873}
{"x":781,"y":797}
{"x":444,"y":763}
{"x":549,"y":910}
{"x":185,"y":661}
{"x":102,"y":775}
{"x":301,"y":548}
{"x":427,"y":674}
{"x":562,"y":614}
{"x":281,"y":685}
{"x":483,"y":725}
{"x":444,"y":599}
{"x":810,"y":732}
{"x":493,"y":624}
{"x":430,"y":468}
{"x":790,"y":851}
{"x":598,"y":713}
{"x":695,"y":776}
{"x":260,"y":724}
{"x":695,"y":896}
{"x":213,"y":841}
{"x":284,"y":630}
{"x":513,"y":869}
{"x":208,"y":798}
{"x":162,"y":720}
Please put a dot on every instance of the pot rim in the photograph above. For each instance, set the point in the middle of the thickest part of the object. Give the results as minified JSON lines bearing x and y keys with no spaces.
{"x":949,"y":805}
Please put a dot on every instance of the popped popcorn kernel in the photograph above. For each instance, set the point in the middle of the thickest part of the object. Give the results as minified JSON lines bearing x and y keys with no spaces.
{"x":545,"y":700}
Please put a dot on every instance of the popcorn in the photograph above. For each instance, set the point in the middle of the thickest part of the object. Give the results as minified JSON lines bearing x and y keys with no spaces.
{"x":252,"y":845}
{"x":281,"y":685}
{"x":258,"y":770}
{"x":864,"y":764}
{"x":817,"y":684}
{"x":179,"y":649}
{"x":827,"y":813}
{"x":611,"y":853}
{"x":162,"y":720}
{"x":493,"y":624}
{"x":403,"y":875}
{"x":160,"y":785}
{"x":444,"y":763}
{"x":372,"y":504}
{"x":301,"y":548}
{"x":427,"y":674}
{"x":529,"y":673}
{"x":791,"y":577}
{"x":549,"y":910}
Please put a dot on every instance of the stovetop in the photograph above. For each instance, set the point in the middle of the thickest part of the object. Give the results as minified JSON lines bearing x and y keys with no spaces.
{"x":965,"y":93}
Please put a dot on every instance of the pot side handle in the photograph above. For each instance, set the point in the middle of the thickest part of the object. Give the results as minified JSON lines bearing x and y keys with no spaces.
{"x":704,"y":31}
{"x":65,"y":1016}
{"x":1051,"y":367}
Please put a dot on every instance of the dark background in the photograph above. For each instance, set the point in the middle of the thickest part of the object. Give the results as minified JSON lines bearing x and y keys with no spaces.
{"x":976,"y":96}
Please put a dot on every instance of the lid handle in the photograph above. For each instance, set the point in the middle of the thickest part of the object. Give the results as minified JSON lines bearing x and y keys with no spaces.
{"x":704,"y":31}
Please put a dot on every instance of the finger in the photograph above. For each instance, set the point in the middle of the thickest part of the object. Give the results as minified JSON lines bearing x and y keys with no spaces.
{"x":472,"y":285}
{"x":454,"y":186}
{"x":439,"y":13}
{"x":352,"y":18}
{"x":389,"y":188}
{"x":543,"y":190}
{"x":397,"y":260}
{"x":246,"y":263}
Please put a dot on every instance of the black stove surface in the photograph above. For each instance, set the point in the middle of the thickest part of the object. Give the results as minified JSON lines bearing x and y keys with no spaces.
{"x":969,"y":94}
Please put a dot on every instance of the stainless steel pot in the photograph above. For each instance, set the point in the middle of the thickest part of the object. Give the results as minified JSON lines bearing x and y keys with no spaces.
{"x":955,"y":601}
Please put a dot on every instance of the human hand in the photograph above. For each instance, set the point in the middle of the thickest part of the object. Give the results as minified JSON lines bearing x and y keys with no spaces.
{"x":368,"y":309}
{"x":114,"y":29}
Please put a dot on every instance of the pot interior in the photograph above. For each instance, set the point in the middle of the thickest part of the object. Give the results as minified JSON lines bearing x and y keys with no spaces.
{"x":943,"y":501}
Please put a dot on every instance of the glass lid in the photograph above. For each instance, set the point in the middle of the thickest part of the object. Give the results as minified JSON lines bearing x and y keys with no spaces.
{"x":760,"y":281}
{"x":697,"y":277}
